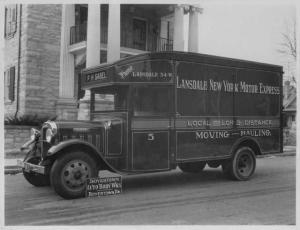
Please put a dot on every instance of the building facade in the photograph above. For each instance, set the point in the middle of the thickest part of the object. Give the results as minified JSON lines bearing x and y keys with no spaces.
{"x":47,"y":46}
{"x":31,"y":59}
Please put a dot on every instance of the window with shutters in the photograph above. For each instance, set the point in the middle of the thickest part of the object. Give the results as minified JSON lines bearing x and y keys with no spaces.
{"x":10,"y":21}
{"x":9,"y":85}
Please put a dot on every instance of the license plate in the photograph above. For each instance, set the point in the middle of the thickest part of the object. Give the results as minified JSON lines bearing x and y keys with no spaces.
{"x":31,"y":167}
{"x":27,"y":167}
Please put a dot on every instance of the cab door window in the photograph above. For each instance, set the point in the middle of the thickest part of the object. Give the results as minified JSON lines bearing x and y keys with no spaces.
{"x":152,"y":101}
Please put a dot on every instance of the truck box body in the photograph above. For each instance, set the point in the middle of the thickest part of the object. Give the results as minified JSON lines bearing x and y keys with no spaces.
{"x":185,"y":107}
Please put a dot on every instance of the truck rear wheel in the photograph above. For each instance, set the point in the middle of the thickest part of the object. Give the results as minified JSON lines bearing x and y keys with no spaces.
{"x":69,"y":174}
{"x":242,"y":165}
{"x":192,"y":167}
{"x":33,"y":178}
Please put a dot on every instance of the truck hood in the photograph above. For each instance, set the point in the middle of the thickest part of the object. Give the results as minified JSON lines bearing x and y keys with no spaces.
{"x":100,"y":123}
{"x":80,"y":124}
{"x":90,"y":131}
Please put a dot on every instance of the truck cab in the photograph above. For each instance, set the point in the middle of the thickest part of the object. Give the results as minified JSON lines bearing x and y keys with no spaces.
{"x":138,"y":125}
{"x":139,"y":116}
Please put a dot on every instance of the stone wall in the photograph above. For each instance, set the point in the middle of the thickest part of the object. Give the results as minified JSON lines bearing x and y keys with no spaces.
{"x":43,"y":58}
{"x":15,"y":137}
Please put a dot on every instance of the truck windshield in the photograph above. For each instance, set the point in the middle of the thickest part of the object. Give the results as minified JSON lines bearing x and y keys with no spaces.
{"x":111,"y":98}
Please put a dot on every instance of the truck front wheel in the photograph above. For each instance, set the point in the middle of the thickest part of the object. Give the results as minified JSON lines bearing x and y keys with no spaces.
{"x":192,"y":167}
{"x":242,"y":165}
{"x":69,"y":174}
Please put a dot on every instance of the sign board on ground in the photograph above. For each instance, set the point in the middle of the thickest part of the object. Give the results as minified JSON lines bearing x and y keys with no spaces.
{"x":103,"y":186}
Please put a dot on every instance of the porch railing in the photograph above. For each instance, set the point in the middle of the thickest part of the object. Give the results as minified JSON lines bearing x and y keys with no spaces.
{"x":78,"y":34}
{"x":164,"y":44}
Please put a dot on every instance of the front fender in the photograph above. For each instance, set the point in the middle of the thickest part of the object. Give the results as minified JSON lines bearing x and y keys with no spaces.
{"x":30,"y":149}
{"x":27,"y":145}
{"x":64,"y":144}
{"x":56,"y":149}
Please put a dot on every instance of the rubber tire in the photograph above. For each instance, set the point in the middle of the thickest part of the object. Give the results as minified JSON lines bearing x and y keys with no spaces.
{"x":230,"y":167}
{"x":57,"y":170}
{"x":192,"y":167}
{"x":33,"y":178}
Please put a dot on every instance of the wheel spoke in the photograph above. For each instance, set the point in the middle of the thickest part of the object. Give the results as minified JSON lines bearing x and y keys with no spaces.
{"x":245,"y":164}
{"x":75,"y":174}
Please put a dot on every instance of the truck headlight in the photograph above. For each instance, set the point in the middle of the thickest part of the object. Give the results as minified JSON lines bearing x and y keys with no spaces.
{"x":34,"y":134}
{"x":51,"y":131}
{"x":49,"y":135}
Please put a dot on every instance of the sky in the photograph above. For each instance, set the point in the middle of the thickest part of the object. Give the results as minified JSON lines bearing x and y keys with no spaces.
{"x":250,"y":31}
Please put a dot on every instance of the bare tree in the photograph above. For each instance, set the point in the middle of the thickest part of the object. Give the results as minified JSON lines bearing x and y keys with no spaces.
{"x":289,"y":44}
{"x":288,"y":47}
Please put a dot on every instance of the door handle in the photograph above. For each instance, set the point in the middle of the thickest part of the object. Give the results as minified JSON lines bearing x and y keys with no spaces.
{"x":150,"y":136}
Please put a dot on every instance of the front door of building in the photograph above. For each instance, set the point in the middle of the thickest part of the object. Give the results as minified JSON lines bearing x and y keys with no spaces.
{"x":139,"y":34}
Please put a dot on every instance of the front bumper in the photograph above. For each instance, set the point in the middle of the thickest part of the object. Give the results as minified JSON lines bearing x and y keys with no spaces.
{"x":28,"y":167}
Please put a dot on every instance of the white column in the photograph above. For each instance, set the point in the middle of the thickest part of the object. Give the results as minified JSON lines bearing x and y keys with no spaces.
{"x":93,"y":36}
{"x":92,"y":53}
{"x":178,"y":44}
{"x":193,"y":45}
{"x":66,"y":106}
{"x":114,"y":34}
{"x":66,"y":75}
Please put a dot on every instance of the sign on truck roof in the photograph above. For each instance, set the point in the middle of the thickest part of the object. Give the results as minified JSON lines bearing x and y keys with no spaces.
{"x":158,"y":68}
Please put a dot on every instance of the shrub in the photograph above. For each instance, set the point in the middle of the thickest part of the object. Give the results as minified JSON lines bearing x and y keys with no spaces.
{"x":30,"y":120}
{"x":289,"y":136}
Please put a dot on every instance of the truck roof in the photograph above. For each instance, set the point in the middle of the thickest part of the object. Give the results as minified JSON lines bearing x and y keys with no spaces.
{"x":191,"y":57}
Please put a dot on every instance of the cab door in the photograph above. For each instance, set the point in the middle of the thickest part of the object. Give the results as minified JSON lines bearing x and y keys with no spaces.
{"x":152,"y":106}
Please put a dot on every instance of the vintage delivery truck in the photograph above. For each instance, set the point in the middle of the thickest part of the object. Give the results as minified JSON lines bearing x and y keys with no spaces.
{"x":166,"y":109}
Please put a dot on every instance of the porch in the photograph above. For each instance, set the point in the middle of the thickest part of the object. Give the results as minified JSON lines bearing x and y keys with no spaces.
{"x":143,"y":27}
